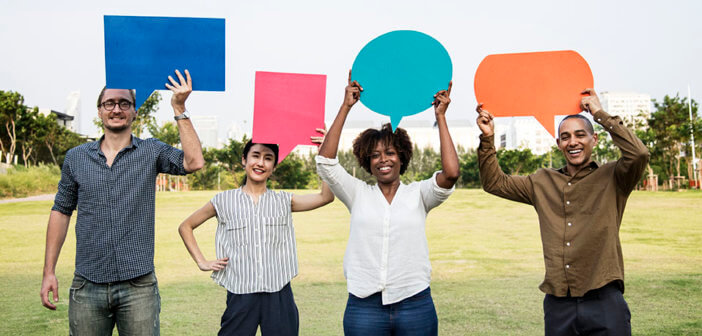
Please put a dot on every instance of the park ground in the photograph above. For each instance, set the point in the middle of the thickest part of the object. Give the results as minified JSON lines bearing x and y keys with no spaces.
{"x":485,"y":253}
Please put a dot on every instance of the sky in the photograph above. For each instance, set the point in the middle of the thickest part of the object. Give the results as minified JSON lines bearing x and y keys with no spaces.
{"x":51,"y":48}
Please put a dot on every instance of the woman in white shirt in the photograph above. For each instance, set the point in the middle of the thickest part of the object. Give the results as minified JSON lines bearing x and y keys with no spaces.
{"x":386,"y":264}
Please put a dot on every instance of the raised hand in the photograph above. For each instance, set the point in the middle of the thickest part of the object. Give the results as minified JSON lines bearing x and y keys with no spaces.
{"x":352,"y":93}
{"x":442,"y":99}
{"x":590,"y":102}
{"x":181,"y":90}
{"x":485,"y":121}
{"x":319,"y":139}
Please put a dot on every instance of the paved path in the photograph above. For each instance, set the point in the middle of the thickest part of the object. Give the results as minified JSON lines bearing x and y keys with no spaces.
{"x":46,"y":197}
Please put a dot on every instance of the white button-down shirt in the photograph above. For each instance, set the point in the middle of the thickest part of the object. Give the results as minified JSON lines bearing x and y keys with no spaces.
{"x":387,"y":250}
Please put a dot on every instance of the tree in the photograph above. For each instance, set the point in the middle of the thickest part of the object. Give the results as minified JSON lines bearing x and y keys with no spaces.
{"x":290,"y":174}
{"x":27,"y":125}
{"x":470,"y":171}
{"x":168,"y":133}
{"x":605,"y":150}
{"x":11,"y":110}
{"x":518,"y":161}
{"x":144,"y":116}
{"x":668,"y":135}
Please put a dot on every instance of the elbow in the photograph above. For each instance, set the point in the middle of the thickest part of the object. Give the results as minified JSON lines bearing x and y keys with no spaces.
{"x":195,"y":165}
{"x":183,"y":228}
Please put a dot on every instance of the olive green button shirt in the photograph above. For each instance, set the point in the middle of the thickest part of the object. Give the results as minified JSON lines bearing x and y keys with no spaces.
{"x":579,"y":215}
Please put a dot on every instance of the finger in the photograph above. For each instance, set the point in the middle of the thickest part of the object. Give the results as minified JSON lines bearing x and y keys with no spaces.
{"x":449,"y":88}
{"x":479,"y":107}
{"x":356,"y":84}
{"x":170,"y":87}
{"x":181,"y":79}
{"x":587,"y":91}
{"x":321,"y":130}
{"x":189,"y":79}
{"x":173,"y":81}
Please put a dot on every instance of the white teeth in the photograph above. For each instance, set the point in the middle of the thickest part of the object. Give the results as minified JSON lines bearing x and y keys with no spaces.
{"x":575,"y":151}
{"x":384,"y":169}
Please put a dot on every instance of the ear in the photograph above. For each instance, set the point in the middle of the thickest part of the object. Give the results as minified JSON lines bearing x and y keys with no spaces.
{"x":595,"y":136}
{"x":558,"y":142}
{"x":243,"y":161}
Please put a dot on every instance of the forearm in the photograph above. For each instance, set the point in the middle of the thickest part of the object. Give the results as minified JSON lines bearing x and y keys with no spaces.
{"x":331,"y":142}
{"x":192,"y":149}
{"x":186,"y":233}
{"x":449,"y":157}
{"x":312,"y":201}
{"x":55,"y":236}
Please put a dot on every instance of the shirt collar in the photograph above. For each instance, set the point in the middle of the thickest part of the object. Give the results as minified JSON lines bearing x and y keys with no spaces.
{"x":95,"y":145}
{"x":593,"y":165}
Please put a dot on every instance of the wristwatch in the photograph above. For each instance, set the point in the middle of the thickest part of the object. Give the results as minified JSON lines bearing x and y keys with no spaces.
{"x":184,"y":115}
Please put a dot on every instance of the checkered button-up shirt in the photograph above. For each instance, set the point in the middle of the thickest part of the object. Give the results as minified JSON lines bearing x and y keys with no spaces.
{"x":115,"y":224}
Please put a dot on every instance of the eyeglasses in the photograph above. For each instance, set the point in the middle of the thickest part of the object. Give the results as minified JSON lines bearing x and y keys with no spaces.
{"x":110,"y":105}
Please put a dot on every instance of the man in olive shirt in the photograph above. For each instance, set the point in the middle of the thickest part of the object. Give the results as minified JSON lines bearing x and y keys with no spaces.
{"x":580,"y":208}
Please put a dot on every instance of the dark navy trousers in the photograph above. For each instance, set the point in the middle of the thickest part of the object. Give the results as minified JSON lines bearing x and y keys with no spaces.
{"x":276,"y":313}
{"x":601,"y":312}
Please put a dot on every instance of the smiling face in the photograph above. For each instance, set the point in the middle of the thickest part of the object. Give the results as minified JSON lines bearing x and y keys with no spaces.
{"x":117,"y":120}
{"x":259,"y":163}
{"x":385,"y":163}
{"x":576,"y":142}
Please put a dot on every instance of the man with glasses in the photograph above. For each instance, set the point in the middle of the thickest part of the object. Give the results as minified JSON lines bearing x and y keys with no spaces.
{"x":112,"y":182}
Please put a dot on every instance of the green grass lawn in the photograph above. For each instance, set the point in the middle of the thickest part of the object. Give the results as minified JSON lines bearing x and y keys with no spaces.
{"x":485,"y":252}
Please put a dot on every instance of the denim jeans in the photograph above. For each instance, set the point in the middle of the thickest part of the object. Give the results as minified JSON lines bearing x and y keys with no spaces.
{"x":415,"y":315}
{"x":95,"y":308}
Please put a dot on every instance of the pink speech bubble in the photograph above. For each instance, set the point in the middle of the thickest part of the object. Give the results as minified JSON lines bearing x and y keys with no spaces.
{"x":287,"y":109}
{"x":538,"y":84}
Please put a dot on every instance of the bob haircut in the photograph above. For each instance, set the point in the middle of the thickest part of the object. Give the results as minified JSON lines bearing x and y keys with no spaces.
{"x":273,"y":147}
{"x":365,"y":143}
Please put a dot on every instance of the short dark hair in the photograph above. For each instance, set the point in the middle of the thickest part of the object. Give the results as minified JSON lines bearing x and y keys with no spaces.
{"x":588,"y":124}
{"x":250,"y":144}
{"x":365,"y":143}
{"x":102,"y":93}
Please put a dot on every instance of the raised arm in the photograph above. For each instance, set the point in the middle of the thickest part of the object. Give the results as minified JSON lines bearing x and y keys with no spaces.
{"x":314,"y":201}
{"x":186,"y":233}
{"x":635,"y":155}
{"x":192,"y":149}
{"x":351,"y":96}
{"x":449,"y":159}
{"x":492,"y":178}
{"x":55,"y":236}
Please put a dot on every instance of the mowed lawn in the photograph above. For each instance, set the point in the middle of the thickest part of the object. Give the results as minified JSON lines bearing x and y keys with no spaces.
{"x":485,"y":253}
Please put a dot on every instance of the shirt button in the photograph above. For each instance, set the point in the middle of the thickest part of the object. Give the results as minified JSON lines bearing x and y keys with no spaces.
{"x":567,"y":243}
{"x":567,"y":266}
{"x":568,"y":202}
{"x":570,"y":224}
{"x":569,"y":183}
{"x":599,"y":119}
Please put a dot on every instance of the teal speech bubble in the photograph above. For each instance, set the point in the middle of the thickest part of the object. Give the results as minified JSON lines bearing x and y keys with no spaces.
{"x":400,"y":72}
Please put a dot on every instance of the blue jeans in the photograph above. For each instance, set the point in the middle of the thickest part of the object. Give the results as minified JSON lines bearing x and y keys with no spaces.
{"x":414,"y":315}
{"x":95,"y":308}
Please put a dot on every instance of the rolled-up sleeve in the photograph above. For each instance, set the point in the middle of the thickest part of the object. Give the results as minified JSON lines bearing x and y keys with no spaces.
{"x":341,"y":183}
{"x":433,"y":194}
{"x":170,"y":159}
{"x":66,"y":197}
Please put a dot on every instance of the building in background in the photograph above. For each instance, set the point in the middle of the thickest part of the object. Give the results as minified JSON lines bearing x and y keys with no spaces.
{"x":62,"y":119}
{"x":73,"y":109}
{"x":634,"y":108}
{"x":207,"y":130}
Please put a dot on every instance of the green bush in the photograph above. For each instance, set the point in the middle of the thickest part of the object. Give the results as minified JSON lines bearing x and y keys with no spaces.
{"x":21,"y":182}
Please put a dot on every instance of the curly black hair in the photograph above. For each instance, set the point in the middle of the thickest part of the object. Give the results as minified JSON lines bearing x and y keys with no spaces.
{"x":365,"y":143}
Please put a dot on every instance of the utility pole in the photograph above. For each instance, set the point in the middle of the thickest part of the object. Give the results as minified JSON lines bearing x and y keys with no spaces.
{"x":692,"y":139}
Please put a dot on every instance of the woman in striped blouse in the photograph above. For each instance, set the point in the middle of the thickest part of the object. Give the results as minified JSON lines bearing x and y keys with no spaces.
{"x":255,"y":243}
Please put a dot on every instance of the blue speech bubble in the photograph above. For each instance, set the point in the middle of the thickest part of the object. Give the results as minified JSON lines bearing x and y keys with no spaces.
{"x":400,"y":72}
{"x":141,"y":52}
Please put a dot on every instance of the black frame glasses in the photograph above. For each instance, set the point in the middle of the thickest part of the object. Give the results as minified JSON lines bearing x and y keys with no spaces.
{"x":110,"y":105}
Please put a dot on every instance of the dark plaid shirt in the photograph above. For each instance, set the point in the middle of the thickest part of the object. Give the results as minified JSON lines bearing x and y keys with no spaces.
{"x":115,"y":224}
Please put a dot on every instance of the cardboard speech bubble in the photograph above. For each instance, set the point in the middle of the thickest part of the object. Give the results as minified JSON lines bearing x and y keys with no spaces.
{"x":538,"y":84}
{"x":400,"y":72}
{"x":287,"y":109}
{"x":141,"y":52}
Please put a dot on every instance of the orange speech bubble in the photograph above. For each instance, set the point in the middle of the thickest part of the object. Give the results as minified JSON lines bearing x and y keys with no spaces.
{"x":538,"y":84}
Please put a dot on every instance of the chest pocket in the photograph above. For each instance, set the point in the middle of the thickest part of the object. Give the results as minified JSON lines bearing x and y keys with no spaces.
{"x":235,"y":230}
{"x":277,"y":229}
